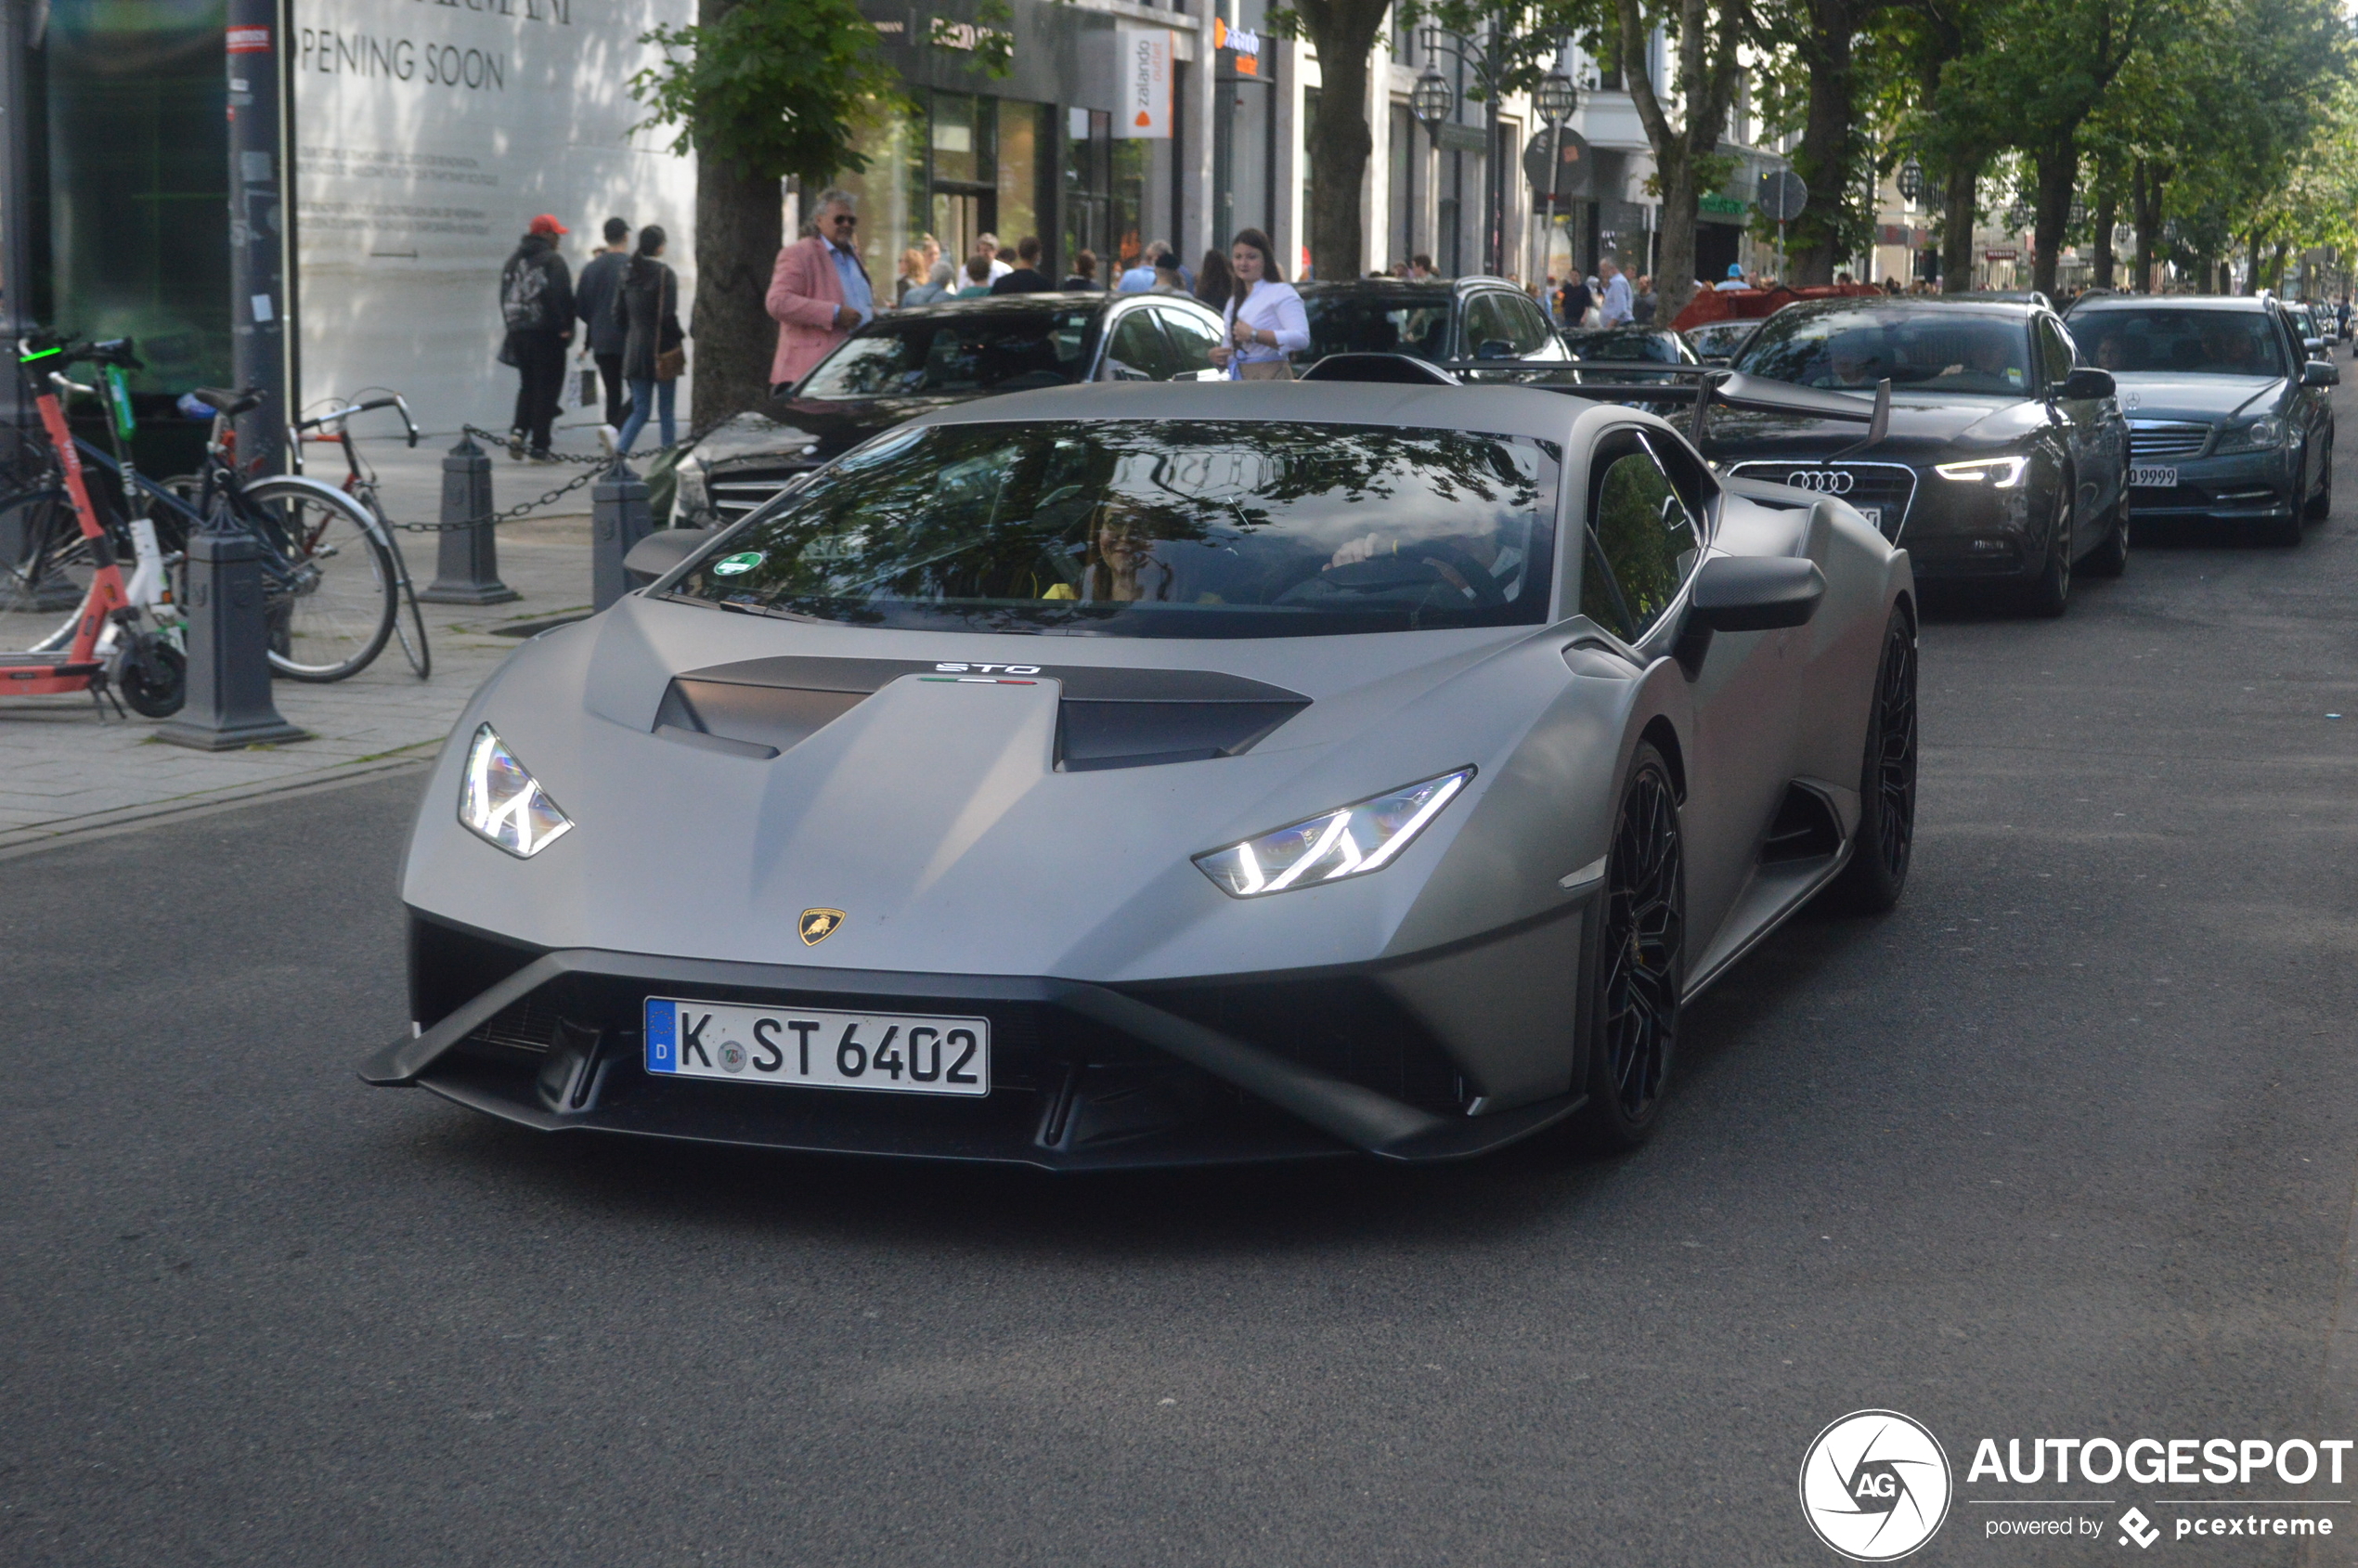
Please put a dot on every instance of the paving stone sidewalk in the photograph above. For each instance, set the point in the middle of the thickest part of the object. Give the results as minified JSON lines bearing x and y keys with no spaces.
{"x":65,"y":770}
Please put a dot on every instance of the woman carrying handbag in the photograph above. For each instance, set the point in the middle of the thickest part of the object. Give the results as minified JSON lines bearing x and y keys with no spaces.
{"x":1266,"y":324}
{"x":654,"y":355}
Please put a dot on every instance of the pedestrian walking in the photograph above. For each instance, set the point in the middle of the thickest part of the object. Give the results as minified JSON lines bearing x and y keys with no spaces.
{"x":535,"y":304}
{"x":1214,"y":282}
{"x":1027,"y":279}
{"x":1168,"y":279}
{"x":1573,"y":302}
{"x":818,"y":292}
{"x":1641,"y":308}
{"x":1734,"y":281}
{"x":1084,"y":272}
{"x":911,"y":275}
{"x":987,"y":243}
{"x":936,"y":288}
{"x":978,"y":277}
{"x":655,"y":350}
{"x":1263,"y":314}
{"x":1616,"y":309}
{"x":594,"y":306}
{"x":1141,"y":277}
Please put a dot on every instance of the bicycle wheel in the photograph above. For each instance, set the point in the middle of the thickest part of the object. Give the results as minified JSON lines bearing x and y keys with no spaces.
{"x":49,"y":565}
{"x":329,"y":586}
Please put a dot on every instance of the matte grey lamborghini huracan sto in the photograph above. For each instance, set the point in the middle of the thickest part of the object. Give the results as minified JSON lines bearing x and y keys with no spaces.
{"x":1165,"y":775}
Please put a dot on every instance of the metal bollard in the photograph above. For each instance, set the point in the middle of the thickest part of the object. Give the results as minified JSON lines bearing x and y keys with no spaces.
{"x":466,"y":569}
{"x":229,"y":703}
{"x":618,"y":519}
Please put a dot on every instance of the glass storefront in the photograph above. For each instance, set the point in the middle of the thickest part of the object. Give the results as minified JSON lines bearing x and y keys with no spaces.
{"x":137,"y":170}
{"x":959,"y":166}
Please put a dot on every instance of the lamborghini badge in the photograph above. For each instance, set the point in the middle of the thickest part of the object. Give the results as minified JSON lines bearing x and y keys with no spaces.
{"x":817,"y":924}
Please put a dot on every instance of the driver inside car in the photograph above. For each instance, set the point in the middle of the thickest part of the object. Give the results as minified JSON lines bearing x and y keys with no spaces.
{"x":1449,"y":555}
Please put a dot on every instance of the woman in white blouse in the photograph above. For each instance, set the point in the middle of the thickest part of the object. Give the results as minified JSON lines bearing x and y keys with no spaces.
{"x":1264,"y":316}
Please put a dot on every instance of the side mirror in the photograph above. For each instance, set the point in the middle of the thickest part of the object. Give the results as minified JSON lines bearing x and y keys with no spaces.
{"x":1495,"y":348}
{"x":2088,"y":383}
{"x":2320,"y":372}
{"x":1755,"y":593}
{"x":2316,"y":347}
{"x":665,"y":549}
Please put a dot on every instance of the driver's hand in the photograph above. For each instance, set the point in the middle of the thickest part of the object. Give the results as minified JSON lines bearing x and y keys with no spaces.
{"x":1366,"y":547}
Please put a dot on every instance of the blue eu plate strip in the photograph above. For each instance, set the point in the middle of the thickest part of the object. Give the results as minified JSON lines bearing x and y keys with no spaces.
{"x":663,"y":1051}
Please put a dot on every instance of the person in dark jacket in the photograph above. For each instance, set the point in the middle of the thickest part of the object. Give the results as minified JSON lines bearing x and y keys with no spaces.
{"x":1085,"y":273}
{"x":1027,"y":279}
{"x":648,"y":307}
{"x":536,"y":304}
{"x":593,"y":303}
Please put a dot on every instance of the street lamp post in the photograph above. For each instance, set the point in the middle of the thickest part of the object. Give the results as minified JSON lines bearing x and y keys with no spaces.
{"x":1911,"y":181}
{"x":1556,"y":99}
{"x":1485,"y":72}
{"x":1432,"y":100}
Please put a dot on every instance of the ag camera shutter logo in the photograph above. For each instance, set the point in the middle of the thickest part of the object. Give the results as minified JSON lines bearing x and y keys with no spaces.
{"x":1875,"y":1485}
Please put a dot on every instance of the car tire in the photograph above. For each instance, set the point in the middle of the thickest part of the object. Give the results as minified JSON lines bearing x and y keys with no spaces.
{"x":2279,"y":533}
{"x":2320,"y":505}
{"x":1637,"y":953}
{"x":2110,"y":558}
{"x":2048,"y":595}
{"x":1885,"y":842}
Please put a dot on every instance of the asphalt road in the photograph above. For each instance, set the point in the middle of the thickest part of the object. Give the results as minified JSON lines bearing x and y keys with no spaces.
{"x":2065,"y":1147}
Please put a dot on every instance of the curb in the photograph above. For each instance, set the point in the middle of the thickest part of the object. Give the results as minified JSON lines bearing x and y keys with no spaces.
{"x":22,"y":841}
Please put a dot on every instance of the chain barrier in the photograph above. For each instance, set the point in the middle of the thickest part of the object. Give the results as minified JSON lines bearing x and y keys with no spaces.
{"x":591,"y":468}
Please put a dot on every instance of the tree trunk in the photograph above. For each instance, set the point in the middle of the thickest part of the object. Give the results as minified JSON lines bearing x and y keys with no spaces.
{"x":2107,"y":214}
{"x":1957,"y":210}
{"x":1674,"y":272}
{"x":737,"y":233}
{"x":1343,"y":31}
{"x":2058,"y":165}
{"x":2146,"y":184}
{"x":1824,"y":158}
{"x":2251,"y":260}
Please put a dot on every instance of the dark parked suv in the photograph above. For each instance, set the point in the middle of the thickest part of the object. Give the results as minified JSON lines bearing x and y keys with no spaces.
{"x":2229,"y":418}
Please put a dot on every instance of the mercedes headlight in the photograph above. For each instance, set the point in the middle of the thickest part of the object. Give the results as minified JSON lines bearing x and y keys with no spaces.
{"x":501,"y":802}
{"x":2261,"y":434}
{"x":2003,"y":472}
{"x":1349,"y":841}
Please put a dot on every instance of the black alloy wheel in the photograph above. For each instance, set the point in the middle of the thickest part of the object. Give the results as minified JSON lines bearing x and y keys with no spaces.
{"x":2048,"y":595}
{"x":1885,"y":840}
{"x":1639,"y":932}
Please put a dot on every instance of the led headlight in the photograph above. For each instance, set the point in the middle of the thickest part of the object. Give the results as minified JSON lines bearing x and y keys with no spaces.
{"x":2253,"y":435}
{"x":503,"y":803}
{"x":1349,"y":841}
{"x":2003,"y":472}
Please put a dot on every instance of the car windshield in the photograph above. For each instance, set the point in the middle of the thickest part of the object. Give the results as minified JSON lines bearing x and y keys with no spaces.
{"x":2179,"y":341}
{"x":1931,"y":349}
{"x":987,"y":351}
{"x":1719,"y":337}
{"x":1378,"y":324}
{"x":1196,"y":528}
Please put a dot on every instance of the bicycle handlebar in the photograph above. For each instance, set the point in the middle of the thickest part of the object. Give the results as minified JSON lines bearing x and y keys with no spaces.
{"x":392,"y":400}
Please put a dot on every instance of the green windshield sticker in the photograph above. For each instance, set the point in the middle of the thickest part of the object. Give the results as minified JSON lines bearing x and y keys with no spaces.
{"x":733,"y":565}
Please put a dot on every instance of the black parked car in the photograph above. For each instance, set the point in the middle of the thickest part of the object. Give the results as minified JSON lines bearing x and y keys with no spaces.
{"x":2228,"y":416}
{"x":1717,"y":342}
{"x":2006,"y":462}
{"x":1461,"y":318}
{"x":907,"y":362}
{"x":1628,"y":349}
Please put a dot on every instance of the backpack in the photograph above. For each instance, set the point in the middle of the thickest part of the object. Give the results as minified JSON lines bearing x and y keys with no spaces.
{"x":524,"y":296}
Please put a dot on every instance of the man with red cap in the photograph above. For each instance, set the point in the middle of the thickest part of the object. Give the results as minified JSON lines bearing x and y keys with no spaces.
{"x":535,"y":304}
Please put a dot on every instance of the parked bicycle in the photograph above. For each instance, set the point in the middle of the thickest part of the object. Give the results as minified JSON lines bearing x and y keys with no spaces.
{"x":333,"y":581}
{"x":334,"y":429}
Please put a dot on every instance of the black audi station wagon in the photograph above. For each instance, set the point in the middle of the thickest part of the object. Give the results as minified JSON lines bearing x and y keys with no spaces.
{"x":2006,"y":462}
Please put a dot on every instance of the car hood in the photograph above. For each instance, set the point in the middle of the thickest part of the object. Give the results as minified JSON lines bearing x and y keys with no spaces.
{"x":787,"y":434}
{"x":2204,"y":398}
{"x":1919,"y":425}
{"x":933,"y":814}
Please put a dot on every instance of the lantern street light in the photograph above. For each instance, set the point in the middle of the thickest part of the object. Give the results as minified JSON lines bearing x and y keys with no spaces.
{"x":1912,"y":180}
{"x":1431,"y":101}
{"x":1555,"y":97}
{"x":2078,"y":216}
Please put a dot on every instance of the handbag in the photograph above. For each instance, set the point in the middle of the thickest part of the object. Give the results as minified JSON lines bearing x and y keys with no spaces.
{"x":1264,"y":370}
{"x":672,"y":362}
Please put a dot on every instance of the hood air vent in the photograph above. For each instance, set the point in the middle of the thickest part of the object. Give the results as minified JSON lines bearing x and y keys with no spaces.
{"x":1107,"y":718}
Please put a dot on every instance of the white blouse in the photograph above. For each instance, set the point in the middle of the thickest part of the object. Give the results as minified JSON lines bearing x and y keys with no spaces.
{"x":1273,"y":308}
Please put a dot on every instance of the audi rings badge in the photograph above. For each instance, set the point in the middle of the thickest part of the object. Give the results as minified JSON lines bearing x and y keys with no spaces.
{"x":1825,"y":481}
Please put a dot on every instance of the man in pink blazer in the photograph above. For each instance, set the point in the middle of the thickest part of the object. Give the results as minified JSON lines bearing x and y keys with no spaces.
{"x":818,"y":292}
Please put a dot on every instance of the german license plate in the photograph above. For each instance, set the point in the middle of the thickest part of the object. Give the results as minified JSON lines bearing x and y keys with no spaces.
{"x":811,"y":1048}
{"x":2153,"y":478}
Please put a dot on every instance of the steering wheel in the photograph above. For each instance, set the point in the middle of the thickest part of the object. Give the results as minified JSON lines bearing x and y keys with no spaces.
{"x":1486,"y":588}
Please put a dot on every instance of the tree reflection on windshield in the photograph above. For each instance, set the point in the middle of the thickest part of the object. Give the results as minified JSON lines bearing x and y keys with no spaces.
{"x":1186,"y":528}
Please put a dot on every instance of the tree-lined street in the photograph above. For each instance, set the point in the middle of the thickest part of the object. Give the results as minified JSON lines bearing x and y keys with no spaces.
{"x":2066,"y":1146}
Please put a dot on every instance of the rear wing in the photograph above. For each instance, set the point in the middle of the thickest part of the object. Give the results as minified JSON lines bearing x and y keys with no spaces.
{"x":1703,"y":386}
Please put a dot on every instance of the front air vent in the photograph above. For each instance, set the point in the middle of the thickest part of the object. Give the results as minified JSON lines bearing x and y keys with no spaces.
{"x":1805,"y":828}
{"x":758,"y":721}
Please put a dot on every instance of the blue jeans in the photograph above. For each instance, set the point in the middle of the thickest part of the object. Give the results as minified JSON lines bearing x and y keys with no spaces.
{"x":646,"y":397}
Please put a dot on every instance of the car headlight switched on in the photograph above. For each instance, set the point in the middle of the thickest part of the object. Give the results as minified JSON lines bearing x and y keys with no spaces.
{"x":2252,"y":435}
{"x":499,"y":801}
{"x":2003,"y":473}
{"x":1349,"y":841}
